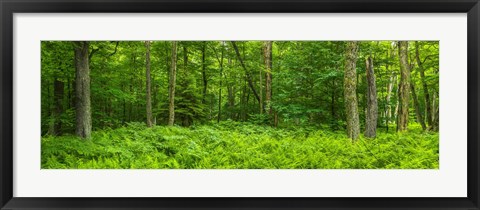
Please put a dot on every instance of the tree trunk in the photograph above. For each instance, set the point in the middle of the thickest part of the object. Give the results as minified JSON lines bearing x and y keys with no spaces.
{"x":268,"y":75}
{"x":220,"y":86}
{"x":425,"y":87}
{"x":72,"y":93}
{"x":149,"y":92}
{"x":404,"y":87}
{"x":436,"y":114}
{"x":171,"y":85}
{"x":58,"y":88}
{"x":69,"y":93}
{"x":275,"y":119}
{"x":249,"y":78}
{"x":260,"y":87}
{"x":83,"y":126}
{"x":332,"y":101}
{"x":416,"y":104}
{"x":391,"y":83}
{"x":350,"y":86}
{"x":204,"y":73}
{"x":243,"y":114}
{"x":231,"y":97}
{"x":372,"y":106}
{"x":231,"y":93}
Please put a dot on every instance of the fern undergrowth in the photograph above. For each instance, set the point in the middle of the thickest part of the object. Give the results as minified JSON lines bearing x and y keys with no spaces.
{"x":233,"y":145}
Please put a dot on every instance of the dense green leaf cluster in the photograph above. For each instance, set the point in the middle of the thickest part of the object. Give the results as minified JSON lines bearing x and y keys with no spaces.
{"x":236,"y":145}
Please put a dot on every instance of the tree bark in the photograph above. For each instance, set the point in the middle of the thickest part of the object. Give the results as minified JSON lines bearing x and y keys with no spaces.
{"x":149,"y":92}
{"x":372,"y":106}
{"x":171,"y":85}
{"x":426,"y":93}
{"x":416,"y":104}
{"x":404,"y":87}
{"x":83,"y":113}
{"x":268,"y":75}
{"x":390,"y":85}
{"x":350,"y":86}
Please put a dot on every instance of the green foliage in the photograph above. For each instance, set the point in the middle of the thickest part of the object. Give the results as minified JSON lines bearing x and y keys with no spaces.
{"x":307,"y":84}
{"x":235,"y":145}
{"x":223,"y":124}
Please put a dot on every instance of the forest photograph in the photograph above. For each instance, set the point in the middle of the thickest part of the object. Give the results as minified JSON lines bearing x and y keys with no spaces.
{"x":236,"y":104}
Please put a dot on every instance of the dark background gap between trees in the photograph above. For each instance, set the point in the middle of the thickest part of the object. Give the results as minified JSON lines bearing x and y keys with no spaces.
{"x":336,"y":85}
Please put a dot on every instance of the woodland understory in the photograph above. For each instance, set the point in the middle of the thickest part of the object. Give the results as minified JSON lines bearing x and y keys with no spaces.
{"x":240,"y":105}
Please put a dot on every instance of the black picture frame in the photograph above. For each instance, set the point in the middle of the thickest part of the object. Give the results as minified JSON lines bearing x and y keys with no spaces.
{"x":9,"y":7}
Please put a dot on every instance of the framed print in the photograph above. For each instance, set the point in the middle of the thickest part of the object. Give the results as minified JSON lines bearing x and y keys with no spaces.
{"x":239,"y":105}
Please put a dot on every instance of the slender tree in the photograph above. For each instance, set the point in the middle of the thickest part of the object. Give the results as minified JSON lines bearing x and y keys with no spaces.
{"x":404,"y":87}
{"x":220,"y":61}
{"x":389,"y":86}
{"x":416,"y":104}
{"x":268,"y":75}
{"x":83,"y":112}
{"x":171,"y":85}
{"x":436,"y":114}
{"x":350,"y":94}
{"x":149,"y":93}
{"x":372,"y":106}
{"x":204,"y":72}
{"x":247,"y":73}
{"x":260,"y":87}
{"x":58,"y":89}
{"x":426,"y":93}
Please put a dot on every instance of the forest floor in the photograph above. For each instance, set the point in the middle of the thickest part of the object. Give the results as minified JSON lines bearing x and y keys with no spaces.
{"x":234,"y":145}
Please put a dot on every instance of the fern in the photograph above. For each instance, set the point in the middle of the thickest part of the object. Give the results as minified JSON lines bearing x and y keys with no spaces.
{"x":235,"y":145}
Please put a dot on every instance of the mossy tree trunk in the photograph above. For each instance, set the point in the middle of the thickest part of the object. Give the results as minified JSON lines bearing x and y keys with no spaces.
{"x":83,"y":127}
{"x":372,"y":106}
{"x":350,"y":93}
{"x":404,"y":87}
